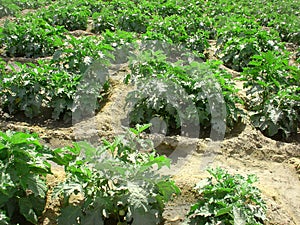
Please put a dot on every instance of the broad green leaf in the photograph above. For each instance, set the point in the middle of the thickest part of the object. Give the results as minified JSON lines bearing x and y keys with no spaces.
{"x":32,"y":182}
{"x":145,"y":218}
{"x":160,"y":161}
{"x":140,"y":128}
{"x":62,"y":156}
{"x":4,"y":220}
{"x":2,"y":146}
{"x":87,"y":149}
{"x":19,"y":138}
{"x":168,"y":189}
{"x":70,"y":215}
{"x":93,"y":217}
{"x":26,"y":209}
{"x":272,"y":129}
{"x":224,"y":211}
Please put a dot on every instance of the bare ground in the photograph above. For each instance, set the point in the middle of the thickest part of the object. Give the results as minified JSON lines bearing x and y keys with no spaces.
{"x":245,"y":151}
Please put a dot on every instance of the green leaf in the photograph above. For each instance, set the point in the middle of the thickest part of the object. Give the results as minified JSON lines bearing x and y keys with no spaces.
{"x":4,"y":220}
{"x":19,"y":138}
{"x":160,"y":161}
{"x":63,"y":156}
{"x":93,"y":217}
{"x":219,"y":203}
{"x":223,"y":211}
{"x":139,"y":128}
{"x":145,"y":218}
{"x":87,"y":149}
{"x":70,"y":215}
{"x":272,"y":128}
{"x":167,"y":189}
{"x":2,"y":146}
{"x":26,"y":209}
{"x":34,"y":183}
{"x":68,"y":189}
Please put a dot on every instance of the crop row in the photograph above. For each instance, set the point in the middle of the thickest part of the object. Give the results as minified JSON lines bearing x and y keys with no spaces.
{"x":137,"y":16}
{"x":249,"y":39}
{"x":12,"y":7}
{"x":190,"y":24}
{"x":119,"y":183}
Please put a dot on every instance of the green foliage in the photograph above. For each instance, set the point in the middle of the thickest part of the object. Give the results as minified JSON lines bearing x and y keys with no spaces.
{"x":244,"y":29}
{"x":133,"y":21}
{"x":105,"y":20}
{"x":227,"y":199}
{"x":62,"y":86}
{"x":274,"y":88}
{"x":92,"y":89}
{"x":77,"y":54}
{"x":23,"y":171}
{"x":288,"y":27}
{"x":2,"y":67}
{"x":89,"y":57}
{"x":7,"y":8}
{"x":119,"y":38}
{"x":12,"y":7}
{"x":190,"y":32}
{"x":71,"y":16}
{"x":123,"y":43}
{"x":4,"y":220}
{"x":283,"y":17}
{"x":119,"y":181}
{"x":34,"y":89}
{"x":190,"y":29}
{"x":120,"y":16}
{"x":91,"y":5}
{"x":239,"y":40}
{"x":175,"y":7}
{"x":168,"y":9}
{"x":30,"y":37}
{"x":181,"y":93}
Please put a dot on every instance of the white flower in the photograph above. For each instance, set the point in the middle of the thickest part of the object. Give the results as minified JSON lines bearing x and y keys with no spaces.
{"x":30,"y":139}
{"x":60,"y":90}
{"x":192,"y":40}
{"x":270,"y":42}
{"x":101,"y":55}
{"x":114,"y":44}
{"x":6,"y":80}
{"x":87,"y":60}
{"x":170,"y":28}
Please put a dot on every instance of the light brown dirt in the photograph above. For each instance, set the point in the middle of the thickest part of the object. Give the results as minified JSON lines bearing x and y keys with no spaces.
{"x":247,"y":151}
{"x":278,"y":178}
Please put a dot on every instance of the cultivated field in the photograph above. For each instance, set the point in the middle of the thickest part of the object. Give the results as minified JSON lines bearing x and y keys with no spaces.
{"x":149,"y":112}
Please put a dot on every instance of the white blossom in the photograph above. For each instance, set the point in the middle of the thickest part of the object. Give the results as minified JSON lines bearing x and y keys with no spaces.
{"x":270,"y":42}
{"x":101,"y":55}
{"x":87,"y":60}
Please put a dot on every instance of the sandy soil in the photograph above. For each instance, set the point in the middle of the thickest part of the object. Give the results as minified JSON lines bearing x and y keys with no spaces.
{"x":244,"y":151}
